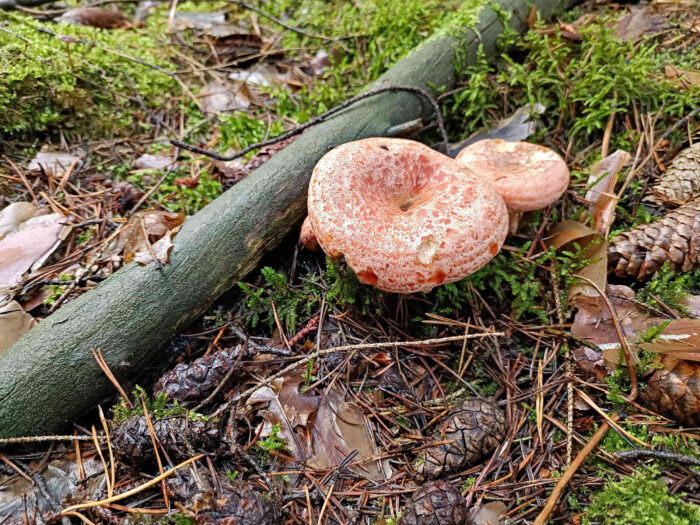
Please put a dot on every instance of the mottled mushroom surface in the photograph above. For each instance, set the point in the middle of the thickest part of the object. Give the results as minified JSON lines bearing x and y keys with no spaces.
{"x":528,"y":177}
{"x":405,"y":217}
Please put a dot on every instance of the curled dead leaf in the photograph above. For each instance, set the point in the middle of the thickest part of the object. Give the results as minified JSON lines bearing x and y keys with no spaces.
{"x":14,"y":323}
{"x":601,"y":183}
{"x":566,"y":235}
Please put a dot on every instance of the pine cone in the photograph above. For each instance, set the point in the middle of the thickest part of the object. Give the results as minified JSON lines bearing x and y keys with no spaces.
{"x":476,"y":428}
{"x":681,"y":180}
{"x":435,"y":503}
{"x":196,"y":380}
{"x":674,"y":391}
{"x":642,"y":251}
{"x":180,"y":437}
{"x":236,"y":504}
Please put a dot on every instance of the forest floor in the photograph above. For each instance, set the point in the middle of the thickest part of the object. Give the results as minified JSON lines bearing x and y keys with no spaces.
{"x":498,"y":411}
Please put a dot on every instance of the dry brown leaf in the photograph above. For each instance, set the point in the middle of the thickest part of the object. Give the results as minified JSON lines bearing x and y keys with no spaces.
{"x":198,"y":20}
{"x":680,"y":339}
{"x":639,"y":22}
{"x":14,"y":323}
{"x":100,"y":17}
{"x":593,"y":246}
{"x":489,"y":513}
{"x":28,"y":247}
{"x":15,"y":214}
{"x":335,"y":427}
{"x":218,"y":97}
{"x":150,"y":161}
{"x":52,"y":162}
{"x":601,"y":181}
{"x":593,"y":323}
{"x":157,"y":225}
{"x":684,"y":79}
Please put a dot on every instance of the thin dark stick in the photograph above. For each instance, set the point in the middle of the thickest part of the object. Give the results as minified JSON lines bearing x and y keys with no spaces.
{"x":261,"y":349}
{"x":320,"y":118}
{"x":281,"y":22}
{"x":658,"y":454}
{"x":680,"y":123}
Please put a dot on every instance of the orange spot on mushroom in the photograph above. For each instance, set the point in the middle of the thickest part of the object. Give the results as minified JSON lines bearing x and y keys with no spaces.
{"x":493,"y":248}
{"x":368,"y":277}
{"x":438,"y":277}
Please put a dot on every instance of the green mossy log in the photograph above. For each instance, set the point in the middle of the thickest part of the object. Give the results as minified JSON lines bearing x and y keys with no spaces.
{"x":49,"y":377}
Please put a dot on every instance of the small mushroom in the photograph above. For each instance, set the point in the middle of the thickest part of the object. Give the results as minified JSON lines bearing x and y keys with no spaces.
{"x":528,"y":177}
{"x":405,"y":217}
{"x":307,"y":238}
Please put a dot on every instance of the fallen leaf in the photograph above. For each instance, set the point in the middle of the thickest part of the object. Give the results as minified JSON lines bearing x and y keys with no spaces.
{"x":518,"y":126}
{"x":320,"y":63}
{"x":639,"y":22}
{"x":100,"y":17}
{"x":593,"y":247}
{"x":680,"y":340}
{"x":52,"y":162}
{"x":684,"y":79}
{"x":145,"y":231}
{"x":150,"y":161}
{"x":218,"y":97}
{"x":601,"y":183}
{"x":15,"y":214}
{"x":14,"y":323}
{"x":489,"y":513}
{"x":320,"y":431}
{"x":189,"y":20}
{"x":29,"y":246}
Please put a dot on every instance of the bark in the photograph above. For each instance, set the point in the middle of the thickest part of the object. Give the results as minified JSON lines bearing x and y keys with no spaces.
{"x":49,"y":378}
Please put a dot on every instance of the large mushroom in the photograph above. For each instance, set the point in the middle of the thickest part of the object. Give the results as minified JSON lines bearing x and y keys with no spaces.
{"x":528,"y":177}
{"x":405,"y":217}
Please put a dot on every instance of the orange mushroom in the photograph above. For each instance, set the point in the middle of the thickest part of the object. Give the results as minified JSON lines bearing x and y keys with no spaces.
{"x":307,"y":238}
{"x":528,"y":177}
{"x":405,"y":217}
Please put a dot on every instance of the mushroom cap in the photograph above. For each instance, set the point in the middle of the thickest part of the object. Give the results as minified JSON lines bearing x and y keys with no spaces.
{"x":528,"y":177}
{"x":307,"y":237}
{"x":405,"y":217}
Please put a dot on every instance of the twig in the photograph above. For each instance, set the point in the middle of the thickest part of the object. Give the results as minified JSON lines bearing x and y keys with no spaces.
{"x":129,"y":493}
{"x":303,"y":360}
{"x":680,"y":123}
{"x":281,"y":22}
{"x":569,"y":473}
{"x":634,"y":385}
{"x":106,"y":370}
{"x":41,"y":439}
{"x":320,"y":118}
{"x":261,"y":349}
{"x":660,"y":454}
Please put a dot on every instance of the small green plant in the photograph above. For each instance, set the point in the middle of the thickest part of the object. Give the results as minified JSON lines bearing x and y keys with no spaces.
{"x":270,"y":443}
{"x":232,"y":475}
{"x":55,"y":291}
{"x":289,"y":302}
{"x":468,"y":483}
{"x":308,"y":376}
{"x":157,"y":407}
{"x":179,"y":198}
{"x":344,"y":289}
{"x":641,"y":499}
{"x":670,"y":287}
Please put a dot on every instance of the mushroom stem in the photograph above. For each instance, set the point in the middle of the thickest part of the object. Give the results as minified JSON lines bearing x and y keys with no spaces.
{"x":307,"y":237}
{"x":513,"y":221}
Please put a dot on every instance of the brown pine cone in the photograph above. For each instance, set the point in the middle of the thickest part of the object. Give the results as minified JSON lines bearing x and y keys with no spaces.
{"x":435,"y":503}
{"x":674,"y":391}
{"x":180,"y":437}
{"x":236,"y":504}
{"x":675,"y":237}
{"x":681,"y":180}
{"x":196,"y":380}
{"x":476,"y":427}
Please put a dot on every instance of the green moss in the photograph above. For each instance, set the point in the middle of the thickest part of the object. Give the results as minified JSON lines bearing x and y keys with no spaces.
{"x":641,"y":499}
{"x":179,"y":197}
{"x":52,"y":82}
{"x":670,"y":287}
{"x":292,"y":302}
